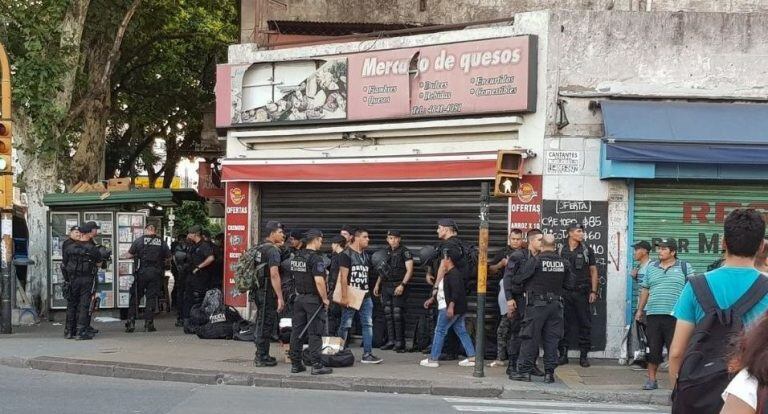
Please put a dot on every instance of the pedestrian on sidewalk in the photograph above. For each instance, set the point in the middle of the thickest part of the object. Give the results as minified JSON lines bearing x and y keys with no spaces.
{"x":152,"y":255}
{"x":661,"y":288}
{"x":496,"y":268}
{"x":642,"y":256}
{"x":736,"y":282}
{"x":338,"y":244}
{"x":269,"y":296}
{"x":544,"y":278}
{"x":354,"y":270}
{"x":578,"y":318}
{"x":452,"y":305}
{"x":393,"y":289}
{"x":747,"y":393}
{"x":308,"y":269}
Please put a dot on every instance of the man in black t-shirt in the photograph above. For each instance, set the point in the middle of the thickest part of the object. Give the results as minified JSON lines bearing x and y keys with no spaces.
{"x":338,"y":244}
{"x":392,"y":287}
{"x":354,"y":270}
{"x":269,"y":297}
{"x":201,"y":258}
{"x":152,"y":254}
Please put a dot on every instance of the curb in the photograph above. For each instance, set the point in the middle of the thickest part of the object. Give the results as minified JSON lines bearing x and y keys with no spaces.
{"x":380,"y":385}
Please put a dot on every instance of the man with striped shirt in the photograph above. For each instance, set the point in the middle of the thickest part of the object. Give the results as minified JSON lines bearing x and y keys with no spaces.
{"x":661,"y":287}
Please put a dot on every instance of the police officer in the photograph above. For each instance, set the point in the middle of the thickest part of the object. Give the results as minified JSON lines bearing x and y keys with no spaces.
{"x":74,"y":236}
{"x":83,"y":260}
{"x":578,"y":318}
{"x":311,"y":303}
{"x":179,"y":269}
{"x":496,"y":267}
{"x":201,"y":258}
{"x":394,"y":293}
{"x":544,"y":278}
{"x":514,"y":294}
{"x":269,"y":298}
{"x":152,"y":254}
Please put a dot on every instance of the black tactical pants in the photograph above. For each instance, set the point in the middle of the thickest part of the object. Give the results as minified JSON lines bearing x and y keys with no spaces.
{"x":149,"y":283}
{"x":193,"y":295}
{"x":304,"y":307}
{"x":394,"y":315}
{"x":542,"y":327}
{"x":81,"y":289}
{"x":513,"y":348}
{"x":266,"y":320}
{"x":578,"y":320}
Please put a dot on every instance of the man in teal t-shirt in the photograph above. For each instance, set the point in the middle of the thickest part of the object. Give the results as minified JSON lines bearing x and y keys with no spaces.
{"x":743,"y":233}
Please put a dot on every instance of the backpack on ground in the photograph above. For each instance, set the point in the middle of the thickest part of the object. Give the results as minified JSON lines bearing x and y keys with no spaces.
{"x":215,"y":330}
{"x":704,"y":372}
{"x":244,"y":331}
{"x":249,"y":272}
{"x":422,"y":334}
{"x":341,"y":359}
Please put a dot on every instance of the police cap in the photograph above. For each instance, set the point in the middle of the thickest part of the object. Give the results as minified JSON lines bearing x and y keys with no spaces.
{"x":85,"y":228}
{"x":195,"y":230}
{"x":448,"y":223}
{"x":296,"y":233}
{"x":575,"y":225}
{"x":93,"y":225}
{"x":73,"y":228}
{"x":394,"y":233}
{"x":312,"y":234}
{"x":273,"y":225}
{"x":338,"y":239}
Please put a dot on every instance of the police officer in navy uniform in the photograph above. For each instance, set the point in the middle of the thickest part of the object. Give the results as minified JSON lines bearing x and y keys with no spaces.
{"x":201,"y":258}
{"x":514,"y":294}
{"x":74,"y":236}
{"x":578,"y":318}
{"x":269,"y":297}
{"x":544,"y":279}
{"x":152,"y":254}
{"x":394,"y":292}
{"x":83,"y":261}
{"x":311,"y":303}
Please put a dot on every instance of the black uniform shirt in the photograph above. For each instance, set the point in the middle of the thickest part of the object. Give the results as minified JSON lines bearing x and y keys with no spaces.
{"x":306,"y":265}
{"x":333,"y":271}
{"x":150,"y":250}
{"x":82,"y":259}
{"x":455,"y":291}
{"x":359,"y":265}
{"x":501,"y":254}
{"x":515,"y":262}
{"x":397,"y":259}
{"x":581,"y":258}
{"x":198,"y":253}
{"x":544,"y":274}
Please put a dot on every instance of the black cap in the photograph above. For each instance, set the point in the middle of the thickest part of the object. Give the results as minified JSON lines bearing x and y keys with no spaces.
{"x":93,"y":225}
{"x":338,"y":239}
{"x":642,"y":244}
{"x":670,"y":243}
{"x":195,"y":230}
{"x":273,"y":225}
{"x":297,"y":234}
{"x":206,"y":233}
{"x":85,"y":228}
{"x":575,"y":225}
{"x":73,"y":228}
{"x":349,"y":229}
{"x":312,"y":234}
{"x":448,"y":223}
{"x":395,"y":233}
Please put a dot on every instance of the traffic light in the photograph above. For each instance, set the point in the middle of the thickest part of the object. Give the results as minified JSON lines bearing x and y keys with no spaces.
{"x":6,"y":165}
{"x":509,"y":170}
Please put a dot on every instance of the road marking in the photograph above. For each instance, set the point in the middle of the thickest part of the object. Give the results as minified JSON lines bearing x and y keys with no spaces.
{"x":554,"y":404}
{"x":565,"y":410}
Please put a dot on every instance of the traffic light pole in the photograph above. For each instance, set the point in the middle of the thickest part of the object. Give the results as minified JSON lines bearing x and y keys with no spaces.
{"x":482,"y":278}
{"x":6,"y":215}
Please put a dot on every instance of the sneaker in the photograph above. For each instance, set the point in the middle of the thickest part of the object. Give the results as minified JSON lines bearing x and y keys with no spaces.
{"x":429,"y":363}
{"x":497,"y":363}
{"x":650,"y":385}
{"x":466,"y":363}
{"x":371,"y":359}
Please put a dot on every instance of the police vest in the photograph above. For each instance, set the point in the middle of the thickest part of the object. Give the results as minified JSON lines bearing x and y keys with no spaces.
{"x":397,"y":259}
{"x":358,"y":273}
{"x":262,"y":254}
{"x":151,"y":252}
{"x":301,"y":266}
{"x":579,"y":258}
{"x":551,"y":272}
{"x":82,"y":260}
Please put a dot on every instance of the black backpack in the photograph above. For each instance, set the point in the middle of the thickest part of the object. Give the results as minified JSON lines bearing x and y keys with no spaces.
{"x":704,"y":372}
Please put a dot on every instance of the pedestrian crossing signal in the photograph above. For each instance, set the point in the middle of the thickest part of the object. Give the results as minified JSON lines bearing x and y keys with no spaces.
{"x":506,"y":185}
{"x":509,"y":170}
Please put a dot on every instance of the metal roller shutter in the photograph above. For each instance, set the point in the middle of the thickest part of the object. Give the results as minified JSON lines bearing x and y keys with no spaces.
{"x":412,"y":208}
{"x":692,"y":213}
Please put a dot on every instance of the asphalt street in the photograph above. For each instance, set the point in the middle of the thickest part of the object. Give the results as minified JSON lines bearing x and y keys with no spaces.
{"x":29,"y":391}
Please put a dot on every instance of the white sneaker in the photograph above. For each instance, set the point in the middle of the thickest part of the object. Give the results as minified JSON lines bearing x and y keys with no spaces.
{"x":429,"y":363}
{"x":466,"y":363}
{"x":497,"y":363}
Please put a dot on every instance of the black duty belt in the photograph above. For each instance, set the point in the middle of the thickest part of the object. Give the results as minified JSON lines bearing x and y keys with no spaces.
{"x":546,"y":297}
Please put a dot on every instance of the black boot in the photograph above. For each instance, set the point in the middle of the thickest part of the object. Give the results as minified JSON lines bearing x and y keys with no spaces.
{"x":512,"y":366}
{"x":399,"y":322}
{"x":84,"y":334}
{"x":390,"y":332}
{"x":149,"y":326}
{"x":584,"y":360}
{"x":563,"y":360}
{"x":130,"y":326}
{"x":319,"y":369}
{"x":549,"y":377}
{"x":520,"y":376}
{"x":536,"y":371}
{"x":297,"y":368}
{"x":263,"y":360}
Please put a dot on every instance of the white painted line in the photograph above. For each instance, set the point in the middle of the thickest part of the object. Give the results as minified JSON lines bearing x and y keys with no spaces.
{"x":556,"y":404}
{"x":490,"y":409}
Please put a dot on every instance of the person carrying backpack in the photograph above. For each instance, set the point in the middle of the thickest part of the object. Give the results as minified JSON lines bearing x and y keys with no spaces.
{"x":748,"y":391}
{"x":712,"y":312}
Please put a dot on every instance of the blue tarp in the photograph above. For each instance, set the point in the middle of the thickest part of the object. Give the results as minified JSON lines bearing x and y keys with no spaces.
{"x":692,"y":133}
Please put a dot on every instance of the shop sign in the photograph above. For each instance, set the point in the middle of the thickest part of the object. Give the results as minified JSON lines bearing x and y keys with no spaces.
{"x":525,"y":206}
{"x":563,"y":162}
{"x":209,"y":182}
{"x":235,"y":237}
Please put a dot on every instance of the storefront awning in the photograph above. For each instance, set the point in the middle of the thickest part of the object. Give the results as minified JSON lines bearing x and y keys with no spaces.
{"x":685,"y":133}
{"x":160,"y":196}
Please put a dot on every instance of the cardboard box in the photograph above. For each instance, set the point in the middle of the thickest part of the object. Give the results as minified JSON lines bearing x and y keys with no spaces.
{"x":119,"y":184}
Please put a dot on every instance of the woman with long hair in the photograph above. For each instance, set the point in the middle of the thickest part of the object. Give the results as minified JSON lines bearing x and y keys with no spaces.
{"x":748,"y":391}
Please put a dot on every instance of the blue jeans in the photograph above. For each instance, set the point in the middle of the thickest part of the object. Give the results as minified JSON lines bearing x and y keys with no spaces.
{"x":366,"y":320}
{"x":441,"y":330}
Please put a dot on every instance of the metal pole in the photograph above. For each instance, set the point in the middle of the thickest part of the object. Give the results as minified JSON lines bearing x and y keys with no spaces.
{"x":6,"y":250}
{"x":482,"y":277}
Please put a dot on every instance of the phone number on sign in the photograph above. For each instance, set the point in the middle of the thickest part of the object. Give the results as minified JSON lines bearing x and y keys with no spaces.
{"x":436,"y":109}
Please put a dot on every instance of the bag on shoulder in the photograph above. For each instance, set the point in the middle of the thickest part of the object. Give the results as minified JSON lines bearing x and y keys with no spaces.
{"x":249,"y":271}
{"x":704,"y":371}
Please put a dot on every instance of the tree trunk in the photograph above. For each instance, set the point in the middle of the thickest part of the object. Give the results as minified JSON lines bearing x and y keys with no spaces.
{"x":88,"y":161}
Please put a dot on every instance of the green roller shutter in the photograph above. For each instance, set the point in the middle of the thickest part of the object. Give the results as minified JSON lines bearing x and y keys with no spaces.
{"x":692,"y":213}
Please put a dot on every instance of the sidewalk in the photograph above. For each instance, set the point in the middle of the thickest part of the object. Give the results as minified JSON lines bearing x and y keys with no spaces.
{"x":171,"y":355}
